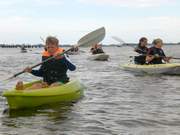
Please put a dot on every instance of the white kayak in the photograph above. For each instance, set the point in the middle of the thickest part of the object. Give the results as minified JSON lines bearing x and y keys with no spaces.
{"x":169,"y":68}
{"x":75,"y":52}
{"x":99,"y":57}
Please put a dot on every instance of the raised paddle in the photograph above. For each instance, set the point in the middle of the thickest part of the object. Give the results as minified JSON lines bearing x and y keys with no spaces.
{"x":121,"y":42}
{"x":91,"y":38}
{"x":42,"y":39}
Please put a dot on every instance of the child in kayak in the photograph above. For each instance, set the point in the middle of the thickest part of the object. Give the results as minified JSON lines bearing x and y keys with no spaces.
{"x":156,"y":54}
{"x":96,"y":49}
{"x":142,"y":50}
{"x":53,"y":71}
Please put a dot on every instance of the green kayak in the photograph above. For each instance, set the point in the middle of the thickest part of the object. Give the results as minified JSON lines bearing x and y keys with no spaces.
{"x":68,"y":92}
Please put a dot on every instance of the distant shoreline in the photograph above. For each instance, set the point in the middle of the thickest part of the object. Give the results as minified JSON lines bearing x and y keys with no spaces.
{"x":67,"y":45}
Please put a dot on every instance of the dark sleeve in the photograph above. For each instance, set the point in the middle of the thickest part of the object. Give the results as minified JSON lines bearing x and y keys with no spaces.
{"x":94,"y":51}
{"x":100,"y":50}
{"x":38,"y":73}
{"x":150,"y":51}
{"x":69,"y":65}
{"x":139,"y":50}
{"x":163,"y":54}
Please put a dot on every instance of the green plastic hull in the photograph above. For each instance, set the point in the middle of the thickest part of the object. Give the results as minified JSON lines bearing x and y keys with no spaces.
{"x":69,"y":92}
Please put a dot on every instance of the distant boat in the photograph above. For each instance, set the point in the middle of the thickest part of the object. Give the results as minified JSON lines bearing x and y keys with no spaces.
{"x":99,"y":57}
{"x":23,"y":50}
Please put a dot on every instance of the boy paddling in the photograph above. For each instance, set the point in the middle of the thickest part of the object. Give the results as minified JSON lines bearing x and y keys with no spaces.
{"x":53,"y":72}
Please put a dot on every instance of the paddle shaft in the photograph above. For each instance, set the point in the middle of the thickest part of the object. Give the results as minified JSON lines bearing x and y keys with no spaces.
{"x":175,"y":58}
{"x":50,"y":58}
{"x":159,"y":56}
{"x":166,"y":57}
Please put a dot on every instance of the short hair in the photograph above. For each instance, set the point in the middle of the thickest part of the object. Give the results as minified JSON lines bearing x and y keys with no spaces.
{"x":52,"y":40}
{"x":156,"y":41}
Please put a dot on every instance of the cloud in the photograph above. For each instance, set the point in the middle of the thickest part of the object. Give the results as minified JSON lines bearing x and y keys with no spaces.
{"x":20,"y":29}
{"x":165,"y":27}
{"x":12,"y":3}
{"x":130,"y":3}
{"x":49,"y":2}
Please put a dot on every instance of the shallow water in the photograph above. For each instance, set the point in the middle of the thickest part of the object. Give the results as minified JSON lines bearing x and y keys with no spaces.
{"x":116,"y":102}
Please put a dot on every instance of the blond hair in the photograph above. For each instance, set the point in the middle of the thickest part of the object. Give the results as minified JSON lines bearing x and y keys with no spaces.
{"x":52,"y":40}
{"x":156,"y":41}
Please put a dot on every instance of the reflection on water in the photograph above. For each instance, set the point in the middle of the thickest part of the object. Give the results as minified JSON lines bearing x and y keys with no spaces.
{"x":115,"y":102}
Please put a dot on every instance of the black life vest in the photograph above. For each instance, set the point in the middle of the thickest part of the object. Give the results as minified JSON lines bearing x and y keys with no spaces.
{"x":156,"y":51}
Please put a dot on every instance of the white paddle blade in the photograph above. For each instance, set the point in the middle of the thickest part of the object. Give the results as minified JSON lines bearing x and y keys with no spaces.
{"x":118,"y":39}
{"x":92,"y":38}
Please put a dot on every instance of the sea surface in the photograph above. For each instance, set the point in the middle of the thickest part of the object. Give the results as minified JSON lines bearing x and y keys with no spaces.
{"x":116,"y":102}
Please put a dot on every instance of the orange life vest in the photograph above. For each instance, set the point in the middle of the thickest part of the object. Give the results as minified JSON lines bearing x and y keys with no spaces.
{"x":46,"y":53}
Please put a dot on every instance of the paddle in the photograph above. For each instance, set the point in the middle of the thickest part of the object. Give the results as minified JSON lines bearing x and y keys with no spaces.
{"x":162,"y":56}
{"x":123,"y":43}
{"x":175,"y":58}
{"x":42,"y":39}
{"x":91,"y":38}
{"x":158,"y":57}
{"x":119,"y":40}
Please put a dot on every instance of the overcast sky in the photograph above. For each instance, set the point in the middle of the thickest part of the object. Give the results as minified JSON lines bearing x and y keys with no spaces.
{"x":24,"y":21}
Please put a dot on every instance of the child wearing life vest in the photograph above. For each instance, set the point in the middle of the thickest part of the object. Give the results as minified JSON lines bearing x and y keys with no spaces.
{"x":54,"y":71}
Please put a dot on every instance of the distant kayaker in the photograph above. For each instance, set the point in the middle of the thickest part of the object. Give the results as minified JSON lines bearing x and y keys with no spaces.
{"x":156,"y":54}
{"x":74,"y":49}
{"x":96,"y":49}
{"x":54,"y":72}
{"x":142,"y":50}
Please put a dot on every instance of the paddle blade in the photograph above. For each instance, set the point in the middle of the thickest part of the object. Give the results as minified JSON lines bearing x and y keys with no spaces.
{"x":92,"y":38}
{"x":118,"y":39}
{"x":42,"y":39}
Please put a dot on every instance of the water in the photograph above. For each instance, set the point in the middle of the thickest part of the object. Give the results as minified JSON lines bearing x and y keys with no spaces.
{"x":116,"y":102}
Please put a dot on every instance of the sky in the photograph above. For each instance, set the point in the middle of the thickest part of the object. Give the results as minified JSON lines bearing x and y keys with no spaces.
{"x":25,"y":21}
